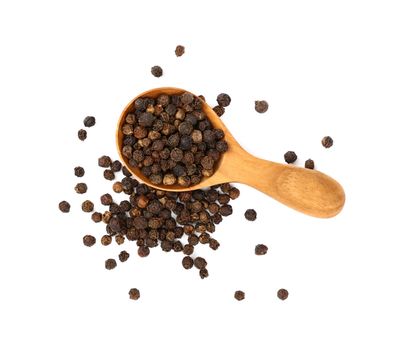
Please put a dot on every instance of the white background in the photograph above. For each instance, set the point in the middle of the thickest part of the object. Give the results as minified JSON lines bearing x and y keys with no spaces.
{"x":339,"y":68}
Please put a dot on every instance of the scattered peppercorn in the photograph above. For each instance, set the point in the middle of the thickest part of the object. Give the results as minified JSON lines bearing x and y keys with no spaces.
{"x":188,"y":262}
{"x":309,"y":164}
{"x":89,"y":122}
{"x":282,"y":294}
{"x":250,"y":214}
{"x":239,"y":295}
{"x":327,"y":141}
{"x":110,"y":264}
{"x":223,"y":100}
{"x":82,"y":134}
{"x":203,"y":273}
{"x":200,"y":263}
{"x":104,"y":161}
{"x":106,"y":240}
{"x":180,"y":50}
{"x":89,"y":240}
{"x":87,"y":206}
{"x":290,"y":157}
{"x":157,"y":71}
{"x":123,"y":256}
{"x":219,"y":110}
{"x":134,"y":294}
{"x":80,"y":188}
{"x":261,"y":249}
{"x":96,"y":217}
{"x":116,"y":166}
{"x":79,"y":171}
{"x":64,"y":206}
{"x":143,"y":251}
{"x":261,"y":106}
{"x":109,"y":175}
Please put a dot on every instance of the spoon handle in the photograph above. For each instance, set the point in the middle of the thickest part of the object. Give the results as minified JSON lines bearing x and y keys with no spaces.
{"x":308,"y":191}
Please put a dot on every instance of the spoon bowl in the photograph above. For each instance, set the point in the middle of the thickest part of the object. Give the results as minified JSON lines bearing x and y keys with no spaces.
{"x":308,"y":191}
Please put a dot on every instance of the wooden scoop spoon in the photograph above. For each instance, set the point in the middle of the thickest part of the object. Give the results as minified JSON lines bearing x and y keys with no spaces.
{"x":308,"y":191}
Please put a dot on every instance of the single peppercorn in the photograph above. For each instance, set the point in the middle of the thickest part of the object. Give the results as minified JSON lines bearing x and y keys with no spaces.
{"x":219,"y":110}
{"x":143,"y":251}
{"x":261,"y":106}
{"x":200,"y":263}
{"x":109,"y":175}
{"x":180,"y":50}
{"x":290,"y":157}
{"x":250,"y":214}
{"x":110,"y":264}
{"x":82,"y":134}
{"x":80,"y":188}
{"x":79,"y":171}
{"x":120,"y":240}
{"x":239,"y":295}
{"x":157,"y":71}
{"x":89,"y":240}
{"x":123,"y":256}
{"x":223,"y":100}
{"x":104,"y":161}
{"x":226,"y":210}
{"x":260,"y":249}
{"x":134,"y":294}
{"x":282,"y":294}
{"x":309,"y":164}
{"x":87,"y":206}
{"x":106,"y":240}
{"x":327,"y":141}
{"x":96,"y":217}
{"x":234,"y":193}
{"x":187,"y":262}
{"x":203,"y":273}
{"x":64,"y":206}
{"x":106,"y":199}
{"x":117,"y":187}
{"x":116,"y":166}
{"x":89,"y":122}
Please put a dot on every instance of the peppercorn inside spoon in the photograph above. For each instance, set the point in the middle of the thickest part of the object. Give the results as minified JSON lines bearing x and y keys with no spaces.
{"x":308,"y":191}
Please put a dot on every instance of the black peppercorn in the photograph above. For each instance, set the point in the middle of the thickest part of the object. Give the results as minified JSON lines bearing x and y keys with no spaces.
{"x":80,"y":188}
{"x":106,"y":199}
{"x":78,"y":171}
{"x":143,"y":251}
{"x":219,"y":110}
{"x":87,"y":206}
{"x":250,"y":214}
{"x":96,"y":217}
{"x":89,"y":240}
{"x":106,"y":240}
{"x":260,"y":249}
{"x":123,"y":256}
{"x":134,"y":294}
{"x":104,"y":161}
{"x":110,"y":264}
{"x":82,"y":134}
{"x":309,"y":164}
{"x":157,"y":71}
{"x":179,"y":50}
{"x":89,"y":121}
{"x":200,"y":263}
{"x":109,"y":175}
{"x":261,"y":106}
{"x":239,"y":295}
{"x":203,"y":273}
{"x":290,"y":157}
{"x":282,"y":294}
{"x":223,"y":100}
{"x":327,"y":141}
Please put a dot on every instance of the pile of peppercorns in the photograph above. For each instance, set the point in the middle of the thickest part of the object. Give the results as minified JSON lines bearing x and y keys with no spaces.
{"x":171,"y":140}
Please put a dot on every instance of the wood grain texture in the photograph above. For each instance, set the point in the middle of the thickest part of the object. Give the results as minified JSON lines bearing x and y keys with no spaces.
{"x":308,"y":191}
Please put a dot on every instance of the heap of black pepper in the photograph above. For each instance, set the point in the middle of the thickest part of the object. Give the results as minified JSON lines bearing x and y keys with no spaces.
{"x":171,"y":140}
{"x":173,"y":221}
